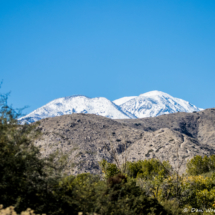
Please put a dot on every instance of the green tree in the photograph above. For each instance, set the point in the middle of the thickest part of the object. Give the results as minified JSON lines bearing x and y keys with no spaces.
{"x":148,"y":168}
{"x":26,"y":179}
{"x":198,"y":165}
{"x":79,"y":193}
{"x":212,"y":163}
{"x":124,"y":197}
{"x":108,"y":169}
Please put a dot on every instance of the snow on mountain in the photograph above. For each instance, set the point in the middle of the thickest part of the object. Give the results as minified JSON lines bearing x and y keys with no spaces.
{"x":150,"y":104}
{"x":77,"y":104}
{"x":155,"y":103}
{"x":123,"y":100}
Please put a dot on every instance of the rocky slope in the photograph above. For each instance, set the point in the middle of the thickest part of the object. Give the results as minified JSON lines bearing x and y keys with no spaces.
{"x":88,"y":138}
{"x":198,"y":125}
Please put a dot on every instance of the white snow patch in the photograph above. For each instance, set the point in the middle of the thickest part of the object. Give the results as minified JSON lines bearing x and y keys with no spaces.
{"x":123,"y":100}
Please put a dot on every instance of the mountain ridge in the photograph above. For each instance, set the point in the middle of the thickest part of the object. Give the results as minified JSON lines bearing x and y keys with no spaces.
{"x":89,"y":138}
{"x":150,"y":104}
{"x":77,"y":104}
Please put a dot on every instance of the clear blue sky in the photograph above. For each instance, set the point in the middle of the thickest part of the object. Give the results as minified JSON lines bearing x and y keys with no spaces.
{"x":110,"y":48}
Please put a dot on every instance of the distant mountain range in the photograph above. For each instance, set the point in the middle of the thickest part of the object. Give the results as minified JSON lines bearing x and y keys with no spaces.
{"x":150,"y":104}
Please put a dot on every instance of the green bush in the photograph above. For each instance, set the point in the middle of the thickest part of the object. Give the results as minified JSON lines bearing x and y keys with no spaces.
{"x":147,"y":168}
{"x":108,"y":169}
{"x":126,"y":198}
{"x":79,"y":193}
{"x":199,"y":165}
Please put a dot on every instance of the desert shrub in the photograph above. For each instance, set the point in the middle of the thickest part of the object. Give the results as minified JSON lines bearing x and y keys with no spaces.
{"x":134,"y":168}
{"x":117,"y":195}
{"x":172,"y":206}
{"x":116,"y":179}
{"x":124,"y":197}
{"x":198,"y":191}
{"x":79,"y":193}
{"x":211,"y":163}
{"x":108,"y":169}
{"x":193,"y":191}
{"x":148,"y":168}
{"x":199,"y":165}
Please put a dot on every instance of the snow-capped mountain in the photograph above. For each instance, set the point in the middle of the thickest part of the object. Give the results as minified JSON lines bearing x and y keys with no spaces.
{"x":78,"y":104}
{"x":154,"y":103}
{"x":149,"y":104}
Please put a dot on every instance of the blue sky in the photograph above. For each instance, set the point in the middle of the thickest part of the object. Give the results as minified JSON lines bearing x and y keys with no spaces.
{"x":110,"y":48}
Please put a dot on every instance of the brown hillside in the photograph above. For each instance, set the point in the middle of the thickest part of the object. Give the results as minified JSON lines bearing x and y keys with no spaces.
{"x":88,"y":138}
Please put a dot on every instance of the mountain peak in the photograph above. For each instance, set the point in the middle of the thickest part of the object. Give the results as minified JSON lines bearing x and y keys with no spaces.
{"x":155,"y":103}
{"x":73,"y":96}
{"x":155,"y":93}
{"x":77,"y":104}
{"x":150,"y":104}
